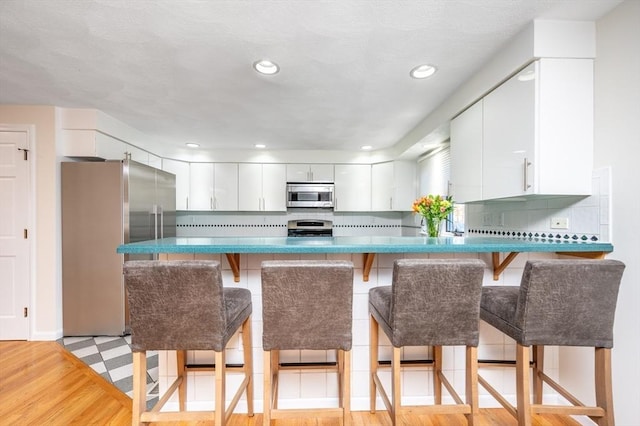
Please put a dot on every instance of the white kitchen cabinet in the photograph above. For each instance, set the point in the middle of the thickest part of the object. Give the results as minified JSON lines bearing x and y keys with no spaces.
{"x":136,"y":154}
{"x":92,"y":144}
{"x":213,"y":186}
{"x":262,"y":187}
{"x":393,"y":186}
{"x":181,"y":170}
{"x":225,"y":186}
{"x":309,"y":172}
{"x":155,"y":161}
{"x":538,"y":131}
{"x":200,"y":186}
{"x":352,"y":187}
{"x":466,"y":154}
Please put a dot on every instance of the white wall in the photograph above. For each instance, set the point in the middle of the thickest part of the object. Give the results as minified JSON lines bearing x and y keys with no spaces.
{"x":617,"y":137}
{"x":46,"y":323}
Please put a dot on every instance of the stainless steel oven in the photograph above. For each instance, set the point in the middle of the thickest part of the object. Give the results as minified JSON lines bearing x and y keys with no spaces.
{"x":310,"y":228}
{"x":319,"y":195}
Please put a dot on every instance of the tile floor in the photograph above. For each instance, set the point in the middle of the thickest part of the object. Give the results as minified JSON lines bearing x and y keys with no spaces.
{"x":110,"y":356}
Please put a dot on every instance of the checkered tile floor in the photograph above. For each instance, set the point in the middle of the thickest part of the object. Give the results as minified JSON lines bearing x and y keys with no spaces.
{"x":111,"y":358}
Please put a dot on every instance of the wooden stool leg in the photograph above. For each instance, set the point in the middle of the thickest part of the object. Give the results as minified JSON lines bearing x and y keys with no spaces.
{"x":340,"y":364}
{"x":181,"y":361}
{"x":437,"y":370}
{"x":346,"y":387}
{"x":604,"y":394}
{"x":373,"y":361}
{"x":275,"y":377}
{"x":471,"y":383}
{"x":139,"y":386}
{"x":266,"y":417}
{"x":523,"y":394}
{"x":248,"y":363}
{"x":538,"y":368}
{"x":220,"y":381}
{"x":396,"y":395}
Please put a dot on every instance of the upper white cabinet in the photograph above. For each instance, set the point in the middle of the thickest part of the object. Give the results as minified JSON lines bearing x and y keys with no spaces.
{"x":509,"y":136}
{"x":225,"y":188}
{"x":352,"y":187}
{"x":309,"y":172}
{"x":92,"y":144}
{"x":181,"y":170}
{"x":136,"y":154}
{"x":393,"y":186}
{"x":200,"y":186}
{"x":262,"y":187}
{"x":466,"y":154}
{"x":537,"y":135}
{"x":213,"y":186}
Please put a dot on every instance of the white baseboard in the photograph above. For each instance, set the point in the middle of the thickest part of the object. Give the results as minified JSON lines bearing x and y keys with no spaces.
{"x":45,"y":336}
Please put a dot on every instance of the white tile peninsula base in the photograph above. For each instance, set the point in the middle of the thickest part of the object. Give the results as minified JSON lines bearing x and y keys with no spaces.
{"x":320,"y":388}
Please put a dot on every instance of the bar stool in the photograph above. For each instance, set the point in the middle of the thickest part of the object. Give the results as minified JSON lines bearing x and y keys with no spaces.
{"x":558,"y":303}
{"x":182,"y":305}
{"x":306,"y":304}
{"x":429,"y":303}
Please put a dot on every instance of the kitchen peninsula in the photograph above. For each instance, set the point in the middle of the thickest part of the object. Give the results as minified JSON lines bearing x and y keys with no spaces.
{"x":232,"y":247}
{"x":373,"y":258}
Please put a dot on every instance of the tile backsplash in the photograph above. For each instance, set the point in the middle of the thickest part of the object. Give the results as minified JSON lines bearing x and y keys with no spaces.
{"x":274,"y":224}
{"x":588,"y":217}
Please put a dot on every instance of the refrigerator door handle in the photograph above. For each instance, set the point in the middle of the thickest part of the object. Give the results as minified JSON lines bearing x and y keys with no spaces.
{"x":154,"y":211}
{"x":161,"y":213}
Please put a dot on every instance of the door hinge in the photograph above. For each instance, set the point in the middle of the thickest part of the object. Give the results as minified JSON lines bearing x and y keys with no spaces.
{"x":26,"y":234}
{"x":26,"y":312}
{"x":26,"y":153}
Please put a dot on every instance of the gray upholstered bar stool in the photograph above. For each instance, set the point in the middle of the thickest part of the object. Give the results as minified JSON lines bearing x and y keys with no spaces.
{"x":306,"y":304}
{"x":182,"y":305}
{"x":558,"y":303}
{"x":429,"y":303}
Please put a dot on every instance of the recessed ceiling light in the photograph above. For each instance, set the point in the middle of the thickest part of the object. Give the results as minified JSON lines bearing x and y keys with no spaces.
{"x":266,"y":67}
{"x":192,"y":145}
{"x":260,"y":145}
{"x":366,"y":147}
{"x":423,"y":71}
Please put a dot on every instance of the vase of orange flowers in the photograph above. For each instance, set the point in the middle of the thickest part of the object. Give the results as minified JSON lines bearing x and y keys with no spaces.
{"x":433,"y":209}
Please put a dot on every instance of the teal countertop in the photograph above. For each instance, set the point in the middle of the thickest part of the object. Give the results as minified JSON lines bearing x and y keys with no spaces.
{"x":359,"y":245}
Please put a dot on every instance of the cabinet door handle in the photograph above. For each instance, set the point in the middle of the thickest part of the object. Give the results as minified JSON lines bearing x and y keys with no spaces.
{"x":187,"y":198}
{"x":211,"y":202}
{"x":390,"y":203}
{"x":526,"y":165}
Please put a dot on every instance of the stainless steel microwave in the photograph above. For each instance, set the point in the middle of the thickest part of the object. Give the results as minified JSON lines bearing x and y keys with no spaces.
{"x":319,"y":195}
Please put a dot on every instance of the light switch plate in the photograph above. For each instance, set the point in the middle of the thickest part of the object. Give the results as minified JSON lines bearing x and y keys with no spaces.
{"x":560,"y":223}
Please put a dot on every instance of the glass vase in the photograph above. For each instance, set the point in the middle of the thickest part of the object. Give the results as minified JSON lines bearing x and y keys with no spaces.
{"x":433,"y":226}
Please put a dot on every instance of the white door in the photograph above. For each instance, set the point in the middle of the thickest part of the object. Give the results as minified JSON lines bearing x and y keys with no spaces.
{"x":14,"y":238}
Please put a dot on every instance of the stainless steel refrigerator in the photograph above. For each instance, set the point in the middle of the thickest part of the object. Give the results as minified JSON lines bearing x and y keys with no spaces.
{"x":105,"y":204}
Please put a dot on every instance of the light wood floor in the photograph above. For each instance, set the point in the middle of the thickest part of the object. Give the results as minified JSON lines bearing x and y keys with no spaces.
{"x":43,"y":384}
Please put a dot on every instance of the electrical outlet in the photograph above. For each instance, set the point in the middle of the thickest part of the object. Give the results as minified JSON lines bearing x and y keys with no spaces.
{"x":560,"y":223}
{"x":501,"y":219}
{"x":486,"y":219}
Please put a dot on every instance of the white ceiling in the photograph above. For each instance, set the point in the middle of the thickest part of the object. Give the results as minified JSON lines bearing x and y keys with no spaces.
{"x":180,"y":70}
